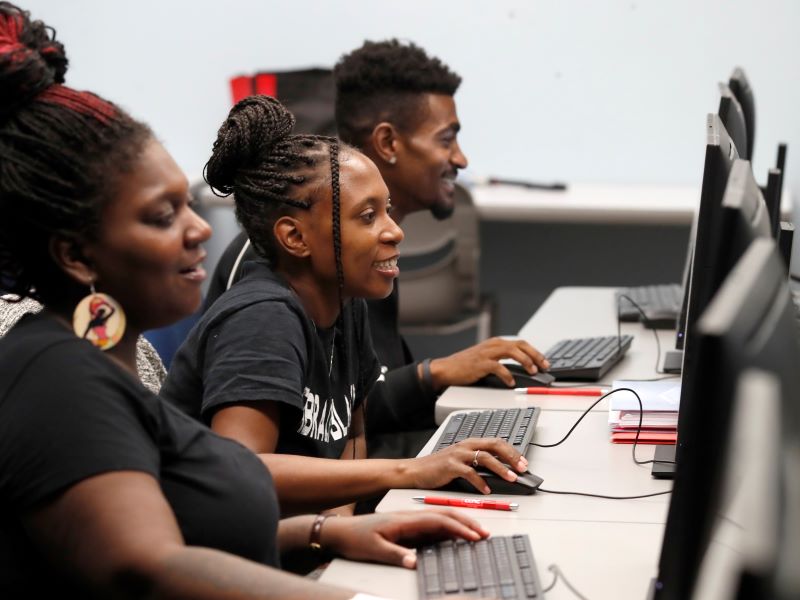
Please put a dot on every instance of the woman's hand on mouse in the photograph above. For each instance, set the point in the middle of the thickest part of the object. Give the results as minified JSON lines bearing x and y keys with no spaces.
{"x":376,"y":537}
{"x":470,"y":365}
{"x":462,"y":460}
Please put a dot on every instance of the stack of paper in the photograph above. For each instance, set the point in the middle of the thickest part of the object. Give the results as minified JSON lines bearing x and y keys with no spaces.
{"x":660,"y":402}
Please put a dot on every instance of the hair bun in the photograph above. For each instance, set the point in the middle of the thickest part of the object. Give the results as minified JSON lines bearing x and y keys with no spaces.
{"x":253,"y":127}
{"x":30,"y":58}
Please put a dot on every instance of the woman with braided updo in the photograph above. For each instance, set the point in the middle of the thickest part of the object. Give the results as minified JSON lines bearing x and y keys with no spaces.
{"x":106,"y":490}
{"x":283,"y":360}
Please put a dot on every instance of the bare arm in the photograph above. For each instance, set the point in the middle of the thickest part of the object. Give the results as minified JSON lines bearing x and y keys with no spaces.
{"x":305,"y":484}
{"x":117,"y":533}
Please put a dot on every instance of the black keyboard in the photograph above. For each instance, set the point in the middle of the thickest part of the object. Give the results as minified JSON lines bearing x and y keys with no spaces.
{"x":587,"y":358}
{"x":514,"y":425}
{"x":660,"y":303}
{"x":499,"y":567}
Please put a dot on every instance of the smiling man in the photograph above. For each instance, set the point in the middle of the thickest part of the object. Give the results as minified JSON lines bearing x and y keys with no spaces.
{"x":396,"y":104}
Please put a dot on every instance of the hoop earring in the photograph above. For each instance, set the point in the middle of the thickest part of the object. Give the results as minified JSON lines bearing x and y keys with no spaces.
{"x":99,"y":319}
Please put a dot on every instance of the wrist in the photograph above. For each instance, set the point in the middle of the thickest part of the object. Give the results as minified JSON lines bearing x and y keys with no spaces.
{"x":438,"y":374}
{"x":316,"y":541}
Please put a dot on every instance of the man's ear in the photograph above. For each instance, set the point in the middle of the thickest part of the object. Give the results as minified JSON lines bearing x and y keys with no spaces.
{"x":384,"y":141}
{"x":70,"y":256}
{"x":289,"y":236}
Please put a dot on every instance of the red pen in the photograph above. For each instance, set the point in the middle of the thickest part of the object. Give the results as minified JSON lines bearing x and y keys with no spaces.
{"x":556,"y":391}
{"x":467,"y":502}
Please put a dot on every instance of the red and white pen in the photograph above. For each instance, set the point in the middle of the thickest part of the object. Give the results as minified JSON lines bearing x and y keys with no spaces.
{"x":556,"y":391}
{"x":467,"y":502}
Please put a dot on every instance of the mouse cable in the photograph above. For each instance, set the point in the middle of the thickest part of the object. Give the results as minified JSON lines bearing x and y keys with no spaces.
{"x":559,"y":573}
{"x":635,"y":439}
{"x":541,"y":489}
{"x":645,"y":319}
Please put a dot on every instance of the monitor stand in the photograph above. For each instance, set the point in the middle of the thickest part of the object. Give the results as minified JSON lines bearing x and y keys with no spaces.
{"x":664,"y":462}
{"x":673,"y":360}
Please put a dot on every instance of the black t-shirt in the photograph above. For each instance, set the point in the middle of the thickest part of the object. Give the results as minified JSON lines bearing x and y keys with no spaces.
{"x":401,"y":403}
{"x":67,"y":412}
{"x":257,"y":344}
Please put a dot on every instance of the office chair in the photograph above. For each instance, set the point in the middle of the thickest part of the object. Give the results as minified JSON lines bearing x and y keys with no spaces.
{"x":439,"y":274}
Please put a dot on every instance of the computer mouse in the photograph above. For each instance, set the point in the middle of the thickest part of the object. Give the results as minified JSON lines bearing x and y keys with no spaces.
{"x":526,"y":484}
{"x":521,"y":378}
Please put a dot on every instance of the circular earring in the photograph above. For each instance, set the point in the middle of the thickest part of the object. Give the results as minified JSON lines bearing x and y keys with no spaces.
{"x":100,"y":319}
{"x":392,"y":160}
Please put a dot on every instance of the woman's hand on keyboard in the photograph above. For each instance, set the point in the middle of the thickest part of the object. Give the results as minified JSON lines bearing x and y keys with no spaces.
{"x":375,"y":537}
{"x":442,"y":467}
{"x":470,"y":365}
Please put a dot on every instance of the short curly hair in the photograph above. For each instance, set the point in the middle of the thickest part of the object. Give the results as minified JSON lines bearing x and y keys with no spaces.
{"x":384,"y":81}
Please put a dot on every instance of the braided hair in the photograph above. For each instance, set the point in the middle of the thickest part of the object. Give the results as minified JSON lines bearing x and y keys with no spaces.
{"x":61,"y":153}
{"x":385,"y":81}
{"x":272,"y":173}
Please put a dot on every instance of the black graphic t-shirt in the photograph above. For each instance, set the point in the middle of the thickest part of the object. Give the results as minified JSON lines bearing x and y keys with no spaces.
{"x":257,"y":344}
{"x":68,"y":412}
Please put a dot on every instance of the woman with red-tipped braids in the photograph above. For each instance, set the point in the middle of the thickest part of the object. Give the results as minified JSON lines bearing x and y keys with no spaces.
{"x":106,"y":490}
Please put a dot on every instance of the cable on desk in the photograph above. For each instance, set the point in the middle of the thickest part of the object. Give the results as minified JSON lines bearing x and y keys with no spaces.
{"x":635,"y":439}
{"x":559,"y":573}
{"x":645,"y":319}
{"x":564,"y":493}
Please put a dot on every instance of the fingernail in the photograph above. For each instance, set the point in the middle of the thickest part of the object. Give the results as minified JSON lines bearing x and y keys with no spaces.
{"x":511,"y":476}
{"x":410,"y":561}
{"x":522,"y":464}
{"x":487,"y":489}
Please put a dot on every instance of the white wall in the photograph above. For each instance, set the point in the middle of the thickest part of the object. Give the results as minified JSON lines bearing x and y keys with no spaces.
{"x":611,"y":90}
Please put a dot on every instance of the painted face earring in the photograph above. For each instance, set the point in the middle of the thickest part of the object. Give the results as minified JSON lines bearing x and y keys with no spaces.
{"x":100,"y":319}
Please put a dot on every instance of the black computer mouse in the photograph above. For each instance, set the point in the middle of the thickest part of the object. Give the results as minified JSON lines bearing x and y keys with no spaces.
{"x":526,"y":484}
{"x":521,"y":378}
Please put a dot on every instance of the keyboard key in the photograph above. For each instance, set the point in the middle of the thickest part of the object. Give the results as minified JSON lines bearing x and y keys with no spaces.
{"x":586,"y":358}
{"x":498,"y":567}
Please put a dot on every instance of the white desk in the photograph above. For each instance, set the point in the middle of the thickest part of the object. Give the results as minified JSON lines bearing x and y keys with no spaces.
{"x":591,"y":311}
{"x":586,"y":462}
{"x":596,"y":203}
{"x":606,"y":548}
{"x":602,"y":560}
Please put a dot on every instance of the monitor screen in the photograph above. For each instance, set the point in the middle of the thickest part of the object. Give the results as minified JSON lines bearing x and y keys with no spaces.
{"x":732,"y":115}
{"x":749,"y":324}
{"x":720,"y":154}
{"x":744,"y":94}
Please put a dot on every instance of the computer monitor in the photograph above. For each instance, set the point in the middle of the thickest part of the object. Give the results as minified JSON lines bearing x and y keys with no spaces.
{"x":741,"y":89}
{"x":749,"y":324}
{"x":732,"y":116}
{"x":720,"y":154}
{"x":723,"y":230}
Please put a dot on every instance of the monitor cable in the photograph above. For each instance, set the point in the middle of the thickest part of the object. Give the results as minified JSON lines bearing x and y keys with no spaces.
{"x":633,"y":449}
{"x":645,"y":319}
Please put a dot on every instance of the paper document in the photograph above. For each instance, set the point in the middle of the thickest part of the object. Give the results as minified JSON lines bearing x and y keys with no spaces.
{"x":655,"y":395}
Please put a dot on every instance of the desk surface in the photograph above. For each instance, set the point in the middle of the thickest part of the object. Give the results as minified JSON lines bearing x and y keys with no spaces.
{"x":586,"y":462}
{"x":595,"y":203}
{"x":606,"y":548}
{"x":601,"y":560}
{"x":570,"y":312}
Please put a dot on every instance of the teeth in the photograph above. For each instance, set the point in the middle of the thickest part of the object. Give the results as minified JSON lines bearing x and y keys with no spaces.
{"x":387,"y":264}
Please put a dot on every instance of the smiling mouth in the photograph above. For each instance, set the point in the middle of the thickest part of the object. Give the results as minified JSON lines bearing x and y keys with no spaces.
{"x":386,"y":265}
{"x":195,"y":273}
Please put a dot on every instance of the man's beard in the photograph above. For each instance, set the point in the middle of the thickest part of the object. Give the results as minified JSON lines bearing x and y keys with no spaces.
{"x":442,"y":211}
